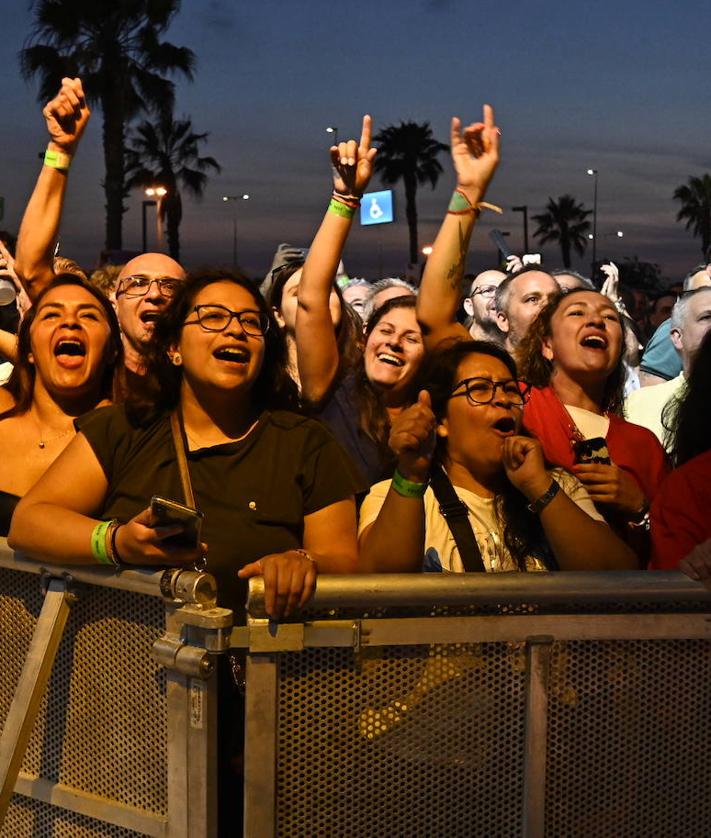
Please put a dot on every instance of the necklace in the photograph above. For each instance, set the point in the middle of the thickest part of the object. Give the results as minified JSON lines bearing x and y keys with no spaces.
{"x":44,"y":441}
{"x":202,"y":444}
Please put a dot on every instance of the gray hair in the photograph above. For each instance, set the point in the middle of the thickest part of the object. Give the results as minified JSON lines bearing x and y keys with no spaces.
{"x":583,"y":281}
{"x":382,"y":285}
{"x":680,"y":310}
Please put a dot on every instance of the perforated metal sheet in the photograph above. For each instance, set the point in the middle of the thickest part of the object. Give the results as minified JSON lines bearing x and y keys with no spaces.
{"x":629,"y":748}
{"x":102,"y":729}
{"x":408,"y":741}
{"x":33,"y":818}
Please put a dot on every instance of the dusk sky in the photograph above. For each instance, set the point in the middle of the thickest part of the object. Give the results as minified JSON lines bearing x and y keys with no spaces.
{"x":616,"y":86}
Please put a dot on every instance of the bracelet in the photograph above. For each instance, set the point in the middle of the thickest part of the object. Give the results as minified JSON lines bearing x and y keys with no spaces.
{"x":99,"y":548}
{"x":344,"y":210}
{"x":460,"y":204}
{"x":57,"y":160}
{"x":305,"y":554}
{"x":407,"y":488}
{"x":354,"y":199}
{"x":537,"y":506}
{"x":111,"y":543}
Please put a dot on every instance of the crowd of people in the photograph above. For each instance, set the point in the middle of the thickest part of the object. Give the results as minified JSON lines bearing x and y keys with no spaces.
{"x":309,"y":423}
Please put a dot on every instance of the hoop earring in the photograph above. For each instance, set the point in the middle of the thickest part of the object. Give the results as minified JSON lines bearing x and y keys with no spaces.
{"x":177,"y":359}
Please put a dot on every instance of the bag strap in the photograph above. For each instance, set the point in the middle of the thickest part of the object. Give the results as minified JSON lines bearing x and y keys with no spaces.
{"x":179,"y":444}
{"x":456,"y":515}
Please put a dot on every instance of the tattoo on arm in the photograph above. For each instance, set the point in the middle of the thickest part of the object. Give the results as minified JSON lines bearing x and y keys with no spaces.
{"x":456,"y":272}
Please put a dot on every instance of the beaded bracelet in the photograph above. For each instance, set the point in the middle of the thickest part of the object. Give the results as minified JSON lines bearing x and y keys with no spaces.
{"x":407,"y":488}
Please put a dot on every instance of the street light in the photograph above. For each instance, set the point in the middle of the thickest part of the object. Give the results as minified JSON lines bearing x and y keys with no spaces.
{"x":333,"y":129}
{"x":593,"y":174}
{"x":427,"y":250}
{"x":226,"y":199}
{"x":158,"y":192}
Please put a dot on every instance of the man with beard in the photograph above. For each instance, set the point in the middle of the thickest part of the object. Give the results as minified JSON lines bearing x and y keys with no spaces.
{"x":481,"y":308}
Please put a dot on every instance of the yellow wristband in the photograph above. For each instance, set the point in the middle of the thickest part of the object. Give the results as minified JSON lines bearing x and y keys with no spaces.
{"x":57,"y":160}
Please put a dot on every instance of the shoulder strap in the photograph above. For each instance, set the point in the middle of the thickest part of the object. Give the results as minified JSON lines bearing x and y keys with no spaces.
{"x":179,"y":445}
{"x":456,"y":515}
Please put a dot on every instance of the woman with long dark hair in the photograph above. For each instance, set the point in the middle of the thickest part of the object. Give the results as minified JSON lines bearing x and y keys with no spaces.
{"x":680,"y":519}
{"x":273,"y":486}
{"x":470,"y":491}
{"x":572,"y":354}
{"x":68,"y":349}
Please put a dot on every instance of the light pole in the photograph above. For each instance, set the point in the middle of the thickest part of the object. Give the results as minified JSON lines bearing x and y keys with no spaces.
{"x":618,"y":234}
{"x":524,"y":209}
{"x":593,"y":174}
{"x":227,"y":199}
{"x":158,"y":192}
{"x":333,"y":129}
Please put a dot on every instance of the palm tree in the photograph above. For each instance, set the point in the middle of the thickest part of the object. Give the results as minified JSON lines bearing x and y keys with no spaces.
{"x":166,"y":153}
{"x":695,"y":199}
{"x":565,"y":222}
{"x":408,"y":152}
{"x":115,"y":48}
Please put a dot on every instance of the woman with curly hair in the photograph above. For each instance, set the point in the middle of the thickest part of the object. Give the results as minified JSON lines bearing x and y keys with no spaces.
{"x":573,"y":357}
{"x":681,"y":524}
{"x":471,"y":492}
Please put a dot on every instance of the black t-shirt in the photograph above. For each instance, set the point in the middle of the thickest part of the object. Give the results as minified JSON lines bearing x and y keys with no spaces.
{"x":254,"y":493}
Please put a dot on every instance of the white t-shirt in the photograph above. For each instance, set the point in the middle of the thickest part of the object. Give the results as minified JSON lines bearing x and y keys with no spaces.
{"x":591,"y":425}
{"x":441,"y":553}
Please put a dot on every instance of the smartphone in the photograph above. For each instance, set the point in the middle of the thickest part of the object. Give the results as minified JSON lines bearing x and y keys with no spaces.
{"x":591,"y":451}
{"x":169,"y":512}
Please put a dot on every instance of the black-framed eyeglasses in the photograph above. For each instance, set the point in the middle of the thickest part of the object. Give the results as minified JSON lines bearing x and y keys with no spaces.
{"x":139,"y":286}
{"x":216,"y":318}
{"x":485,"y":291}
{"x":483,"y":390}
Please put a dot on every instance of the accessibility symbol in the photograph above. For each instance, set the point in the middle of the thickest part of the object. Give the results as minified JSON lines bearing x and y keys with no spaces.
{"x":377,"y":207}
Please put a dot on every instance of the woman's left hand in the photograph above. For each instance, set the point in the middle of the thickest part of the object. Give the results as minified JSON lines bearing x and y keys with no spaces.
{"x":289,"y":580}
{"x":353,"y":162}
{"x":611,"y":485}
{"x":697,"y":564}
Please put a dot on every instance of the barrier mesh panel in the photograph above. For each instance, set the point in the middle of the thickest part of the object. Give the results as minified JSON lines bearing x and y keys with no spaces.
{"x":629,"y":740}
{"x":102,"y":725}
{"x":33,"y":818}
{"x":424,"y":740}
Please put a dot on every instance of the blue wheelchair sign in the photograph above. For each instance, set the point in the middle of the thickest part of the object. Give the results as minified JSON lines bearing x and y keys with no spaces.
{"x":376,"y":207}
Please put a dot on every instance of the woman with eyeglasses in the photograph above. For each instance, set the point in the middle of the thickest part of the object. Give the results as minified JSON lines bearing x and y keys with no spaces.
{"x":460,"y":451}
{"x":274,"y":488}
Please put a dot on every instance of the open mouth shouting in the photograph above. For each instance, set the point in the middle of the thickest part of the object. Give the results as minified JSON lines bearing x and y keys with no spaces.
{"x":232,"y":354}
{"x":70,"y":352}
{"x":149,"y":317}
{"x":505,"y":426}
{"x":595,"y":340}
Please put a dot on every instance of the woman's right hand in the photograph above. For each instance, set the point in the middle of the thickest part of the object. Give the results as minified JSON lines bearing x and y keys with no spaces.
{"x":475,"y":154}
{"x":412,"y":439}
{"x":139,"y":542}
{"x":353,"y":162}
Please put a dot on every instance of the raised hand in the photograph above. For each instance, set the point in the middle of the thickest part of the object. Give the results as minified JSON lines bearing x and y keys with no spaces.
{"x":475,"y":154}
{"x":353,"y":162}
{"x":412,"y":439}
{"x":289,"y":580}
{"x":67,"y":115}
{"x":525,"y":466}
{"x":610,"y":287}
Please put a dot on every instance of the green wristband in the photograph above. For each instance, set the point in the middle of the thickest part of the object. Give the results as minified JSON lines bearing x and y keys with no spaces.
{"x":57,"y":160}
{"x":407,"y":488}
{"x":98,"y":543}
{"x":341,"y":209}
{"x":459,"y":204}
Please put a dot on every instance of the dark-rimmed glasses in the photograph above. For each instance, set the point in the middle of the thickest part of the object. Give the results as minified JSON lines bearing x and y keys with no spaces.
{"x":483,"y":390}
{"x":216,"y":318}
{"x":485,"y":291}
{"x":139,"y":286}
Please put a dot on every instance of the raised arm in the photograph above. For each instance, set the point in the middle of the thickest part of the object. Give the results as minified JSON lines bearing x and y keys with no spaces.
{"x":66,"y":117}
{"x":317,"y":350}
{"x":475,"y":155}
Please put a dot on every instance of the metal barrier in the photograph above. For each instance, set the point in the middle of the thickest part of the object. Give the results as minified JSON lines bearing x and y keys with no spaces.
{"x":568,"y":704}
{"x":107,"y":707}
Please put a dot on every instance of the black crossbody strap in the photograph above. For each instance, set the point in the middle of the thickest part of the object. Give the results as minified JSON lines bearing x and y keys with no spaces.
{"x":456,"y":515}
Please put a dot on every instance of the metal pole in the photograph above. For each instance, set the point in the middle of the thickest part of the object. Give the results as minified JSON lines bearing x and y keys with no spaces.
{"x":234,"y":240}
{"x":594,"y":250}
{"x":524,"y":209}
{"x":144,"y":205}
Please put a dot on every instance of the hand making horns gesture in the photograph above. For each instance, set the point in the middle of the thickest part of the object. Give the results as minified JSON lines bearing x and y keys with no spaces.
{"x":353,"y":163}
{"x":475,"y":154}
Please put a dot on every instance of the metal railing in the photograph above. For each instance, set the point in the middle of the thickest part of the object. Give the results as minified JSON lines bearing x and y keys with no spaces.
{"x":568,"y":704}
{"x":107,"y":707}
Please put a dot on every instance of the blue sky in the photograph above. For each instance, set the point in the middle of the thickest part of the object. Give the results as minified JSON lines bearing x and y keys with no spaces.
{"x":619,"y":87}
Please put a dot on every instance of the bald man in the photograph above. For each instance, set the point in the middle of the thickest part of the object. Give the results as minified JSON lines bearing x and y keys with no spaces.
{"x":480,"y":305}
